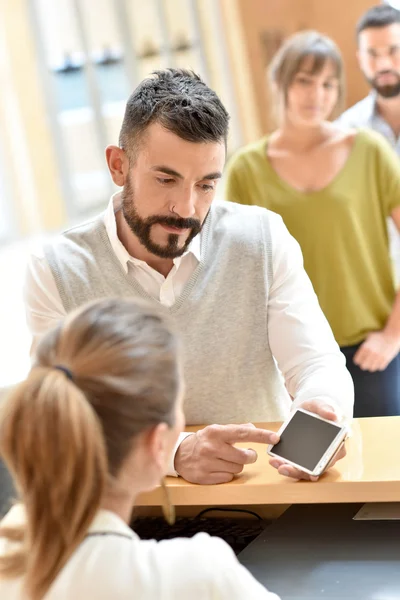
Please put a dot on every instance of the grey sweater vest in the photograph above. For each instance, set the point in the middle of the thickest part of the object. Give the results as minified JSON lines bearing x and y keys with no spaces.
{"x":221,"y":315}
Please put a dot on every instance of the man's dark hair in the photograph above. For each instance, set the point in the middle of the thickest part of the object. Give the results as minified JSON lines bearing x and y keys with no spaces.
{"x":378,"y":16}
{"x":181,"y":102}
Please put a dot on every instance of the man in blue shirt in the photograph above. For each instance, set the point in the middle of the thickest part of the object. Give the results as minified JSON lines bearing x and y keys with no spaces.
{"x":378,"y":37}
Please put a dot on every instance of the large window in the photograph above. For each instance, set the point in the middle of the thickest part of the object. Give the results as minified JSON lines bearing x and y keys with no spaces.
{"x":7,"y":204}
{"x":86,"y":83}
{"x":92,"y":54}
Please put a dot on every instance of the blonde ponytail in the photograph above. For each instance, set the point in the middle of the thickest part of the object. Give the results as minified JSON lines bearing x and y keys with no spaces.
{"x":51,"y":439}
{"x":107,"y":373}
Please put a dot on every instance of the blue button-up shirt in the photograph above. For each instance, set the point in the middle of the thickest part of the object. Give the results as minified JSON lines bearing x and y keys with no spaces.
{"x":365,"y":114}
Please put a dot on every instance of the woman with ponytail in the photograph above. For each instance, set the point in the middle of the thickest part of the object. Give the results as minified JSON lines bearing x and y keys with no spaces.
{"x":93,"y":426}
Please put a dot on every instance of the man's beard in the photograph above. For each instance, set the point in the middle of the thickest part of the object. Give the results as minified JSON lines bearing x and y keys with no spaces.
{"x":142,"y":227}
{"x":386,"y":91}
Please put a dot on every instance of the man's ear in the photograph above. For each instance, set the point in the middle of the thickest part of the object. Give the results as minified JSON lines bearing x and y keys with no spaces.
{"x":118,"y":164}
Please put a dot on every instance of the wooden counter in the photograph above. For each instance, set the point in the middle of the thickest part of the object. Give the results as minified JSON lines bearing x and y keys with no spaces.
{"x":369,"y":473}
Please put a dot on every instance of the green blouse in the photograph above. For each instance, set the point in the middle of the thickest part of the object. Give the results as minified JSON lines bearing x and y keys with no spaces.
{"x":341,"y":229}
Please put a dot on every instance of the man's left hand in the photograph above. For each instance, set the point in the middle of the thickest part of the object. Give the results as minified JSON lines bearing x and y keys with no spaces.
{"x":377,"y":351}
{"x":326,"y":412}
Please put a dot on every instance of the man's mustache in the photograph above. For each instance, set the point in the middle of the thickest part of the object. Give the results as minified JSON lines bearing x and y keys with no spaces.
{"x":387,"y":73}
{"x":178,"y":222}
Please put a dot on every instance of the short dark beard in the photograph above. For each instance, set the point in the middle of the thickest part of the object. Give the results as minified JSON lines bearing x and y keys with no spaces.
{"x":141,"y":228}
{"x":386,"y":91}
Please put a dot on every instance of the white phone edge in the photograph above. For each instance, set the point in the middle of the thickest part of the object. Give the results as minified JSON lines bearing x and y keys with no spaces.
{"x":327,"y":456}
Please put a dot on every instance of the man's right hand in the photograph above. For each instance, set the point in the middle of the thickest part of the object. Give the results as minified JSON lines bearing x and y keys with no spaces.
{"x":209,"y":456}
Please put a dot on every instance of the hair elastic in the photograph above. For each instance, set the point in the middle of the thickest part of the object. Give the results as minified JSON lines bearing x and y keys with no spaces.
{"x":65,"y":370}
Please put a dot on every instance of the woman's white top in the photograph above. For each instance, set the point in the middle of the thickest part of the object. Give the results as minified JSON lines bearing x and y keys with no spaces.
{"x":113,"y":563}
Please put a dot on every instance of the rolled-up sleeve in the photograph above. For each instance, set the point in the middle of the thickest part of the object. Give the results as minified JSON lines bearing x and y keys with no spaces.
{"x":43,"y":306}
{"x":300,"y":337}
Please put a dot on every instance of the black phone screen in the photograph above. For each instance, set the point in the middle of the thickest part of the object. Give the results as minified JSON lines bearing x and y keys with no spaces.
{"x":305,"y":440}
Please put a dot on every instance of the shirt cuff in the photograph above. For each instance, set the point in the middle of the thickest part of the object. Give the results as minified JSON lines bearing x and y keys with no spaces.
{"x":171,"y":466}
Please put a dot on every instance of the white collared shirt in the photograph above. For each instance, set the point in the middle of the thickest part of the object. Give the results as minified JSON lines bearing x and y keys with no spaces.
{"x":164,"y":289}
{"x":42,"y":299}
{"x":113,"y":562}
{"x":299,"y":336}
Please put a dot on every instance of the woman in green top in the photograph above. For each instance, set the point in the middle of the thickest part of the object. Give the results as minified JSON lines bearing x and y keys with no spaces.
{"x":334,"y":189}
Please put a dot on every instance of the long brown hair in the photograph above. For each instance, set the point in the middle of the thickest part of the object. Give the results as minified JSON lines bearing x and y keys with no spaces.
{"x":288,"y":60}
{"x":64,"y":440}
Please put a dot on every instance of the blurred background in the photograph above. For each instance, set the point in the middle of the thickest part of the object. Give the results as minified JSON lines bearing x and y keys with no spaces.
{"x":67,"y":68}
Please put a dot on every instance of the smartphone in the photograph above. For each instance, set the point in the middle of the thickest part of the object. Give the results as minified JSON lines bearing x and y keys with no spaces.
{"x":308,"y":441}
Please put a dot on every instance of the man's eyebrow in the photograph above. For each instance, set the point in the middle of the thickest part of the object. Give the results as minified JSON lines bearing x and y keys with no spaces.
{"x":167,"y":171}
{"x":173,"y":173}
{"x":216,"y":175}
